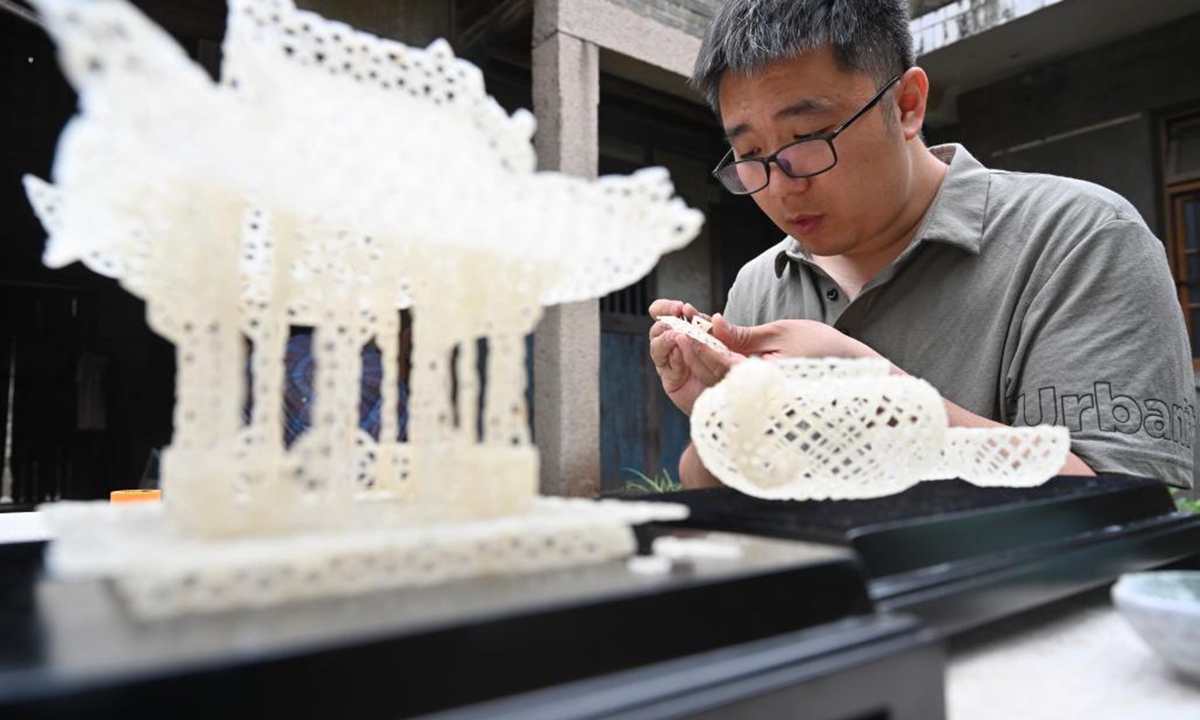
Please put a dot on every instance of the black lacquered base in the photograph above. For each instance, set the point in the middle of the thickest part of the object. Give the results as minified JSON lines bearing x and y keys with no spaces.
{"x":869,"y":668}
{"x":959,"y":555}
{"x":798,"y":612}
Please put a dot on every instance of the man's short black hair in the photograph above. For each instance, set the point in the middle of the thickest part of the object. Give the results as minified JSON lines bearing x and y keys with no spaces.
{"x":870,"y":36}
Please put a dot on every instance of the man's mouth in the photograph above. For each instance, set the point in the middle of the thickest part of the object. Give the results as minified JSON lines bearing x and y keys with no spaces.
{"x":805,"y":223}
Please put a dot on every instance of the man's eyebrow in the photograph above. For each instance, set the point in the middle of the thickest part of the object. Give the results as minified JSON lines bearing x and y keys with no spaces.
{"x":807,"y":106}
{"x":732,"y":133}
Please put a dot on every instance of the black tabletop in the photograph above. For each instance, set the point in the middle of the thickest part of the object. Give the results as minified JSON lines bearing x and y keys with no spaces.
{"x":76,"y":649}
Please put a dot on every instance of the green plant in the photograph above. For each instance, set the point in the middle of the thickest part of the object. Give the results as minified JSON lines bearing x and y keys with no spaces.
{"x":661,"y":483}
{"x":1185,"y":504}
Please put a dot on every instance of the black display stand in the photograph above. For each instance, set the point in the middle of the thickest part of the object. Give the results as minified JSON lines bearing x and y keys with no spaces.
{"x":959,"y":556}
{"x":869,"y":668}
{"x":834,"y":611}
{"x":788,"y":625}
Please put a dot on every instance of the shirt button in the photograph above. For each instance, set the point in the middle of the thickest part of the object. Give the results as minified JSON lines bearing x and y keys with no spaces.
{"x":831,"y":293}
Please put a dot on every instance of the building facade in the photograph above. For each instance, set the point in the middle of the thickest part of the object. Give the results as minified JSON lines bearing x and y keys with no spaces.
{"x":1102,"y":90}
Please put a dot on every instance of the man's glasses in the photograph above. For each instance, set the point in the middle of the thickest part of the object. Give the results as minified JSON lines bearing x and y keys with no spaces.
{"x":807,"y":156}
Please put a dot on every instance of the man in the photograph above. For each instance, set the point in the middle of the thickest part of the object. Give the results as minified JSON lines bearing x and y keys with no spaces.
{"x":1025,"y":299}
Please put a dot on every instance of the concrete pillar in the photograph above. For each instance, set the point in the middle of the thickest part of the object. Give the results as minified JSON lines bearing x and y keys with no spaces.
{"x":566,"y":405}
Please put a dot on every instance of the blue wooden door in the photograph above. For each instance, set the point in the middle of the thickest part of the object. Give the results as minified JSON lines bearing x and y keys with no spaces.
{"x":641,"y":431}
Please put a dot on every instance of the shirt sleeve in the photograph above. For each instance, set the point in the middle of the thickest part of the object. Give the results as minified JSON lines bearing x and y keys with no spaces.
{"x":1102,"y":350}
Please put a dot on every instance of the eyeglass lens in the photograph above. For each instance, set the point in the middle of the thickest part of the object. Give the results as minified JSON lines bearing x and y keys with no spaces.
{"x":798,"y":160}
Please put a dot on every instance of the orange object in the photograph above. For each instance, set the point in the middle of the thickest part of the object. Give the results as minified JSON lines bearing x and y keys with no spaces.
{"x":134,"y":496}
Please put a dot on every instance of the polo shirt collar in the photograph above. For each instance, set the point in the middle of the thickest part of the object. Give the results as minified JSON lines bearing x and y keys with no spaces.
{"x":955,"y":218}
{"x":957,"y":214}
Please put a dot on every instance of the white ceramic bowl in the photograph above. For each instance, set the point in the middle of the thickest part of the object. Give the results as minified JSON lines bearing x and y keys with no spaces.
{"x":1164,"y":608}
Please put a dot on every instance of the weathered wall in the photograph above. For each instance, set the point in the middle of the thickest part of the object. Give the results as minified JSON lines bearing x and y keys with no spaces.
{"x":954,"y":21}
{"x":1092,"y":115}
{"x":690,"y":16}
{"x":947,"y":20}
{"x":921,"y":7}
{"x":1145,"y":71}
{"x":1119,"y":156}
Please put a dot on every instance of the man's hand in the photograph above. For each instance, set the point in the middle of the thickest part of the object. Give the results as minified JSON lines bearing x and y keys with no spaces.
{"x":789,"y":338}
{"x":685,"y":367}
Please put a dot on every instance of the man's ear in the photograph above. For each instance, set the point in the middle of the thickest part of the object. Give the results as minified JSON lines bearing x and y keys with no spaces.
{"x":912,"y":92}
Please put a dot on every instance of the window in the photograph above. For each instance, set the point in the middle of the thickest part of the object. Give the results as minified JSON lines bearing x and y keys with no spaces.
{"x":1181,"y":170}
{"x":1183,"y":150}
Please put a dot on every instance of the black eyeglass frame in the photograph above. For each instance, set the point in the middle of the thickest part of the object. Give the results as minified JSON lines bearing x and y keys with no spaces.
{"x":827,"y":137}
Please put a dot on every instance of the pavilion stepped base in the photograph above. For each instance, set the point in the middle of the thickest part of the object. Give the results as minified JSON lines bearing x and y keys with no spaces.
{"x":160,"y":572}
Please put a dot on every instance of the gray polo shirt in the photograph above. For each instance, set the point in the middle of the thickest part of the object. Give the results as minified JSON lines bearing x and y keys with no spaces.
{"x":1023,"y":298}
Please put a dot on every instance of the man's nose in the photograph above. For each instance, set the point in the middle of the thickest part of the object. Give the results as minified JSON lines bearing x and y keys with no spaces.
{"x":779,"y":184}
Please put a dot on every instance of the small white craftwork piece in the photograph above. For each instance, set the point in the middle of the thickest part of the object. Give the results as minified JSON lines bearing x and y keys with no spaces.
{"x":698,"y":329}
{"x":842,"y":429}
{"x":329,"y":180}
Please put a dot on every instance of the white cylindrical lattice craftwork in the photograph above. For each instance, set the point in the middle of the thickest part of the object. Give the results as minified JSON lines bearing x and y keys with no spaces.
{"x":843,"y":429}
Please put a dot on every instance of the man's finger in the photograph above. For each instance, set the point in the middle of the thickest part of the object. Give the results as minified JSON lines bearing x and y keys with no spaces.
{"x":705,"y":369}
{"x":691,"y":312}
{"x":686,"y":347}
{"x":676,"y":375}
{"x":662,"y":306}
{"x":660,"y":349}
{"x":669,"y":364}
{"x":715,"y":362}
{"x":744,"y":340}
